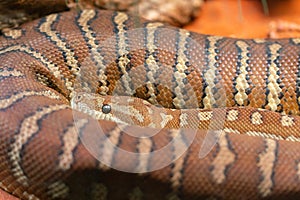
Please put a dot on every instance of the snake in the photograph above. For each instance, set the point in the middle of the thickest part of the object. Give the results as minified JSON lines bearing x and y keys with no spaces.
{"x":146,"y":86}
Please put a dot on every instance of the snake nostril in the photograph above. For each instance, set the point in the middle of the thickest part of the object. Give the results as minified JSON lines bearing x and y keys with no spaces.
{"x":79,"y":97}
{"x":106,"y":108}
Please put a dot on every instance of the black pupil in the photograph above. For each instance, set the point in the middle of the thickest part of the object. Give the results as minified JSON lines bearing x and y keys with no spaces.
{"x":106,"y":109}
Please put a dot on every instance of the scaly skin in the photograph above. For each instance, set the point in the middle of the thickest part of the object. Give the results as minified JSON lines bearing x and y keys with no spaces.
{"x":47,"y":61}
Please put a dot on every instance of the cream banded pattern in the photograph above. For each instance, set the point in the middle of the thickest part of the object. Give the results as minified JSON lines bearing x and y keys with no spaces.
{"x":135,"y":111}
{"x":62,"y":60}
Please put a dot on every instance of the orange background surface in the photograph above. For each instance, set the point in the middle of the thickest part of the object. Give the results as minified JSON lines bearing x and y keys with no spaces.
{"x":246,"y":18}
{"x":243,"y":19}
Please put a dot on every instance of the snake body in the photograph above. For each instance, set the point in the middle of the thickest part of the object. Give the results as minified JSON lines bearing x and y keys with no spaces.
{"x":45,"y":63}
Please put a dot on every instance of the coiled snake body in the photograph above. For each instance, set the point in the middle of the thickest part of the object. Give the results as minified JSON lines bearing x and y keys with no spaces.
{"x":45,"y":62}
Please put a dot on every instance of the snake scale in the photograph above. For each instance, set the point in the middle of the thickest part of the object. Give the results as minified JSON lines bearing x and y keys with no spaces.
{"x":43,"y":64}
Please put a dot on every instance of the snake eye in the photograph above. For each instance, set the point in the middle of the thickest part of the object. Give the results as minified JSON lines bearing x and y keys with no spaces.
{"x":106,"y":108}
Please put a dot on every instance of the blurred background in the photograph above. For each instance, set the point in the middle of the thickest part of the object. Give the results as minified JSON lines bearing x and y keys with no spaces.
{"x":248,"y":18}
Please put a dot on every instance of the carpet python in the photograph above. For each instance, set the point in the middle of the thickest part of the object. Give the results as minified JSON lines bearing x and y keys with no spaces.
{"x":103,"y":64}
